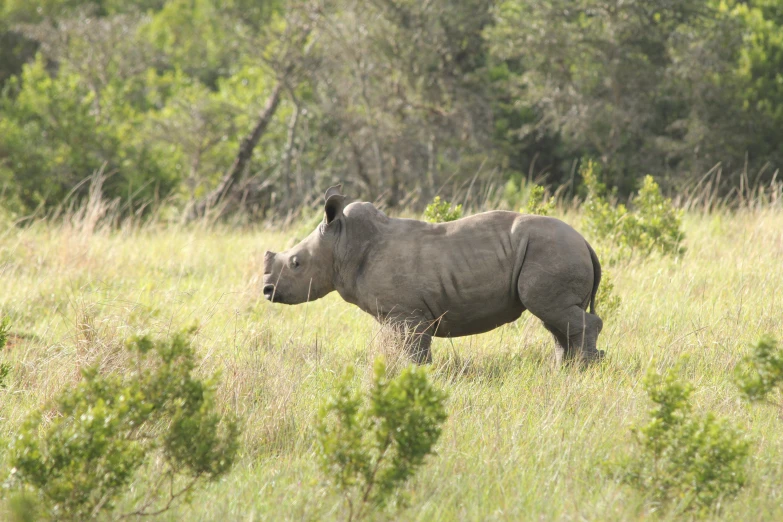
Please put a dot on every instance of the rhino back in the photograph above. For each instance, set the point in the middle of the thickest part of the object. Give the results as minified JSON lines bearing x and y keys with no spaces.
{"x":463,"y":273}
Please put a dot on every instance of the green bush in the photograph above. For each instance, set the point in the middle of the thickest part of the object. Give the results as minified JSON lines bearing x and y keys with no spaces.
{"x":51,"y":139}
{"x":762,"y":371}
{"x":4,"y":326}
{"x":108,"y":427}
{"x":654,"y":225}
{"x":371,"y":445}
{"x":440,"y":211}
{"x":607,"y":302}
{"x":529,"y":199}
{"x":682,"y":460}
{"x":536,"y":203}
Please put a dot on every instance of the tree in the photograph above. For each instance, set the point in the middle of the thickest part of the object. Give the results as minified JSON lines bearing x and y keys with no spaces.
{"x":595,"y":72}
{"x":400,"y":90}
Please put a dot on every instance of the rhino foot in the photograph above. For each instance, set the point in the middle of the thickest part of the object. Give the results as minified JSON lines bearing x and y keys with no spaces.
{"x":580,"y":344}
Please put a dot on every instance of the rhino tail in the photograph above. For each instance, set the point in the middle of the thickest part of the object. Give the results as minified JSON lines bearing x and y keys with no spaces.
{"x":596,"y":276}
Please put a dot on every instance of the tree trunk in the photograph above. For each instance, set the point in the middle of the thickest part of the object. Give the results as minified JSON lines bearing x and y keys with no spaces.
{"x":230,"y":180}
{"x":289,"y":151}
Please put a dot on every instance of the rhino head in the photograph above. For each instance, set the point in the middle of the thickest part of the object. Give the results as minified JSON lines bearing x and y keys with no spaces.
{"x":305,"y":272}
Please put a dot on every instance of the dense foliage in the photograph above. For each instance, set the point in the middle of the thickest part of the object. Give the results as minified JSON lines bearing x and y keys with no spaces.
{"x":537,"y":202}
{"x":651,"y":224}
{"x":686,"y":461}
{"x":369,"y":445}
{"x":395,"y":98}
{"x":442,"y":211}
{"x":77,"y":456}
{"x":761,"y":372}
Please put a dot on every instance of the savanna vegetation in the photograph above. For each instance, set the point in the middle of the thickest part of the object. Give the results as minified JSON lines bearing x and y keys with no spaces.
{"x":515,"y":439}
{"x":151,"y":151}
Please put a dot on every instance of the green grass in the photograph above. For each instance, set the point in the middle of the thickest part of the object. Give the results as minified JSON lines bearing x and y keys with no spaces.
{"x":522,"y":441}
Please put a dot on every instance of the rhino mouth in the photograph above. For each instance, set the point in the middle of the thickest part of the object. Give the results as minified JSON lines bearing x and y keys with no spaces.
{"x":270,"y":294}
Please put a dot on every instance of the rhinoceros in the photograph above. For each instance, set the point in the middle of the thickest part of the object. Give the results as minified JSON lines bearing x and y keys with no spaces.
{"x":451,"y":279}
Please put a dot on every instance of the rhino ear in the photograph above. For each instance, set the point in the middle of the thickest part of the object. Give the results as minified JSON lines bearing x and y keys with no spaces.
{"x":333,"y":209}
{"x":335,"y":190}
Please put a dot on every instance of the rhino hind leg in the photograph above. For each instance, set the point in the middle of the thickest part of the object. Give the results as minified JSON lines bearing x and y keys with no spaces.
{"x":561,"y":345}
{"x":576,"y":333}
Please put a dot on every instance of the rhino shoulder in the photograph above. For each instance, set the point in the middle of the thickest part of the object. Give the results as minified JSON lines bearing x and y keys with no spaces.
{"x":363,"y":224}
{"x":363,"y":210}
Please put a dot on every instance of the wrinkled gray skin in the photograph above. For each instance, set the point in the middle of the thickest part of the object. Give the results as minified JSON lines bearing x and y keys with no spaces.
{"x":447,"y":279}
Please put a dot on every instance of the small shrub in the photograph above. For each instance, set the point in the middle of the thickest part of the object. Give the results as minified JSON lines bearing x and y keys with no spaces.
{"x":4,"y":327}
{"x":109,"y":426}
{"x":657,"y":224}
{"x":536,"y":203}
{"x":440,"y":211}
{"x":603,"y":219}
{"x":654,"y":225}
{"x":370,"y":445}
{"x":761,"y":372}
{"x":607,"y":302}
{"x":517,"y":192}
{"x":682,"y":458}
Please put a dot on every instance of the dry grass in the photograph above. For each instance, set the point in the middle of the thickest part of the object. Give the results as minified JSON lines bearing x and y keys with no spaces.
{"x":523,"y":441}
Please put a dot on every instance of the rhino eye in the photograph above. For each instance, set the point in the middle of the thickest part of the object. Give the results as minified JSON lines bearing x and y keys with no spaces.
{"x":294,"y":262}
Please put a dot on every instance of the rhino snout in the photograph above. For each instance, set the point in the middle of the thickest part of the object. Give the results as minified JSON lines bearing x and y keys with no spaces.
{"x":269,"y":292}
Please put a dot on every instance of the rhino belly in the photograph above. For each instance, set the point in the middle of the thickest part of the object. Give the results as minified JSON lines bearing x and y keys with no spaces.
{"x":482,"y":318}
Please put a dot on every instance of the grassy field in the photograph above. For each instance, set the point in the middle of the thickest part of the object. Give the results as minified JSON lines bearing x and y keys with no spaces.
{"x":523,"y":441}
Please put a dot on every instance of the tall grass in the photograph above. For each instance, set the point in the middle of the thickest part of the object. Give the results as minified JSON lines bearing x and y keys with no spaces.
{"x":523,"y":440}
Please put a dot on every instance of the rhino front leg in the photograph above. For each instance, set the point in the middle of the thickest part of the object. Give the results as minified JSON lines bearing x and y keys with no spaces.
{"x":413,"y":339}
{"x":419,"y":347}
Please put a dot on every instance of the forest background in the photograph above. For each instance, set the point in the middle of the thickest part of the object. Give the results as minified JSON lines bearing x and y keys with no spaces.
{"x":260,"y":105}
